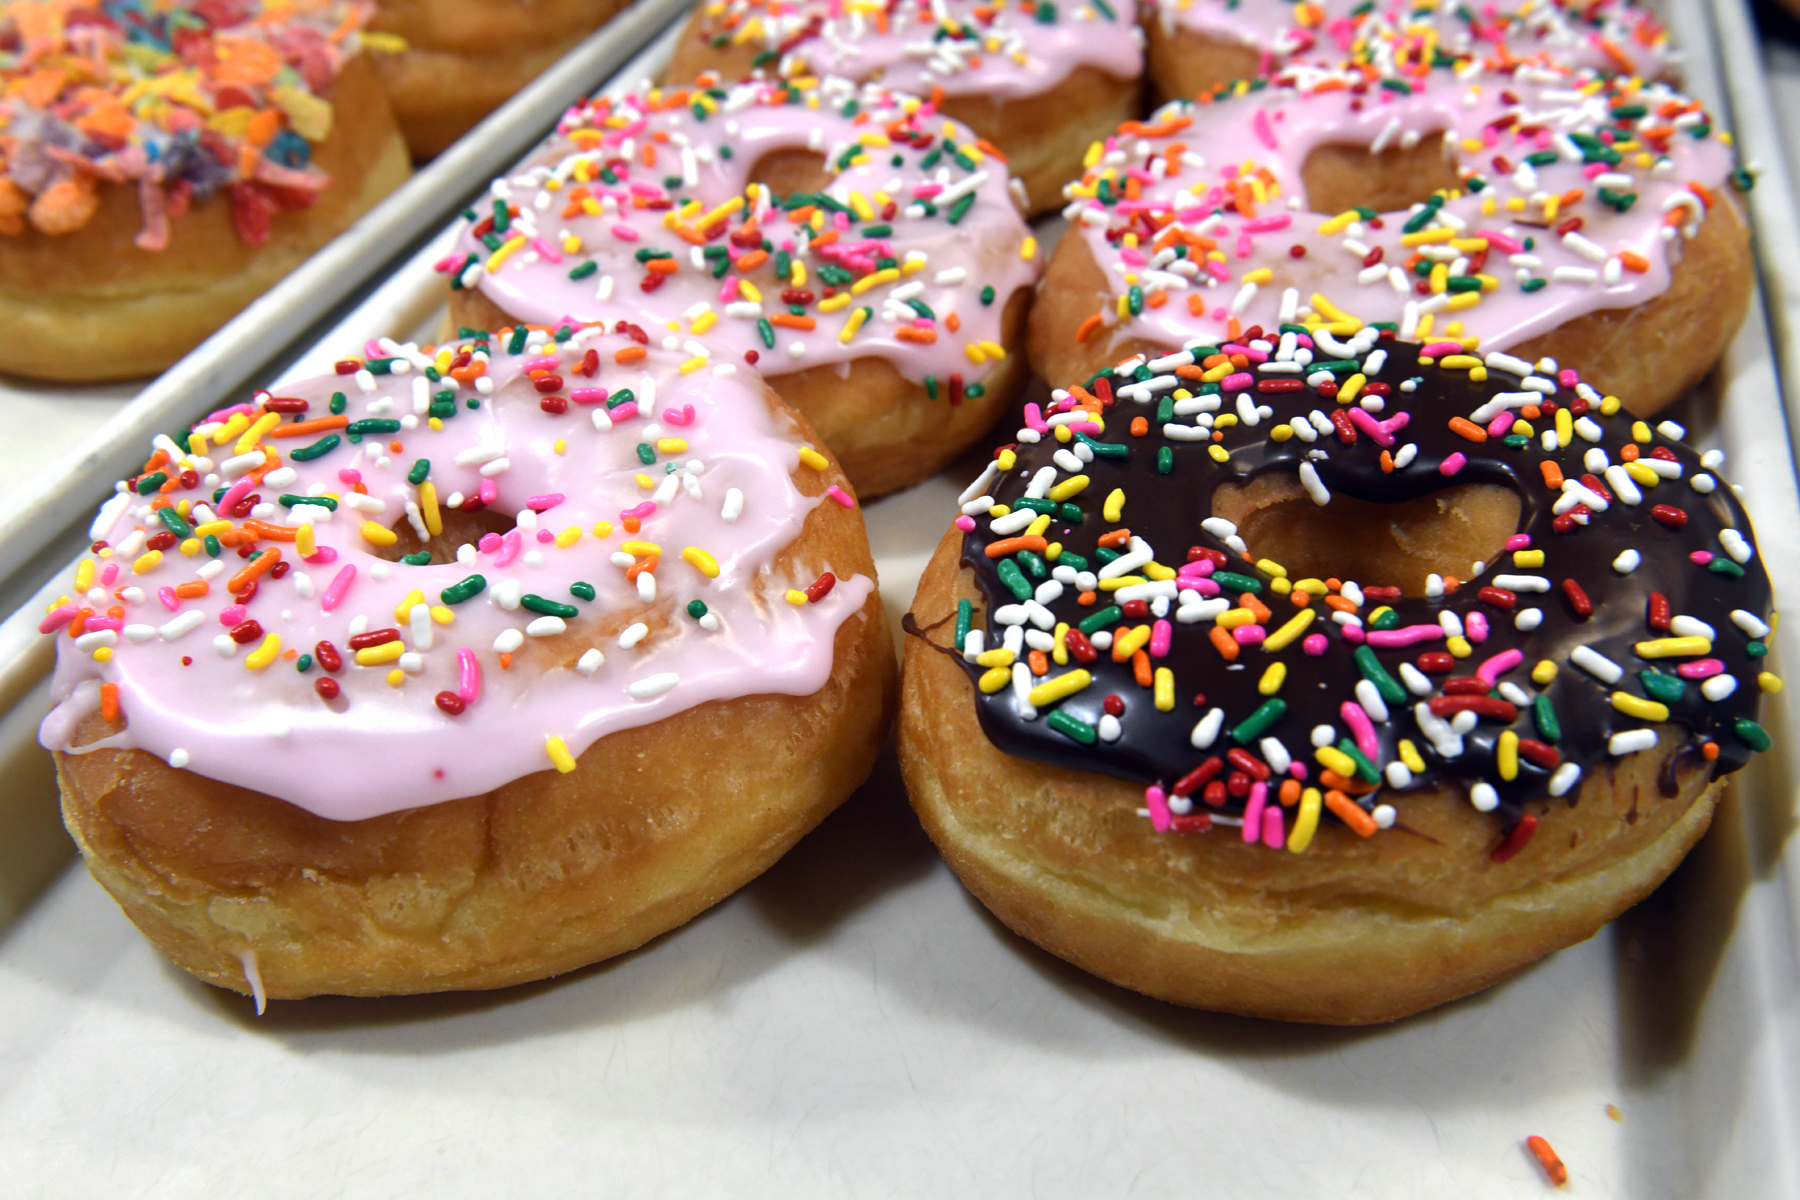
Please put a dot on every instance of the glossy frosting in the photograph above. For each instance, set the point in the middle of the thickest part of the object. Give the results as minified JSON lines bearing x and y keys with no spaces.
{"x":1637,"y":513}
{"x":876,"y":268}
{"x":176,"y":98}
{"x":1000,"y":49}
{"x":1623,"y":172}
{"x":1604,"y":35}
{"x":578,"y":479}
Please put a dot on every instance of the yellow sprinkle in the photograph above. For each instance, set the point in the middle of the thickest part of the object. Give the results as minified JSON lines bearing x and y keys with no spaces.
{"x":1059,"y":653}
{"x":1543,"y":673}
{"x":441,"y":615}
{"x":559,"y":754}
{"x":671,"y":445}
{"x":1218,"y":453}
{"x":212,"y":528}
{"x":84,"y":575}
{"x":428,"y":508}
{"x":1092,"y":157}
{"x":1675,"y":647}
{"x":1114,"y":507}
{"x":226,"y":432}
{"x":503,"y":253}
{"x":1565,"y":427}
{"x":146,"y":562}
{"x":793,"y":596}
{"x":1769,"y":682}
{"x":1028,"y":249}
{"x":994,"y":679}
{"x":1069,"y":488}
{"x":1313,"y":587}
{"x":973,"y":352}
{"x":1506,"y":755}
{"x":1260,"y":275}
{"x":196,"y":444}
{"x":1232,"y":618}
{"x":1008,"y":459}
{"x":641,"y":549}
{"x":254,"y":434}
{"x":303,"y":542}
{"x":1409,"y":754}
{"x":1306,"y":822}
{"x":1063,"y":686}
{"x":1336,"y":760}
{"x":191,"y":546}
{"x":378,"y":534}
{"x":997,"y":657}
{"x":1269,"y":566}
{"x":265,"y":654}
{"x":994,"y":350}
{"x":1459,"y":362}
{"x":1340,"y":222}
{"x":1292,"y":628}
{"x":1164,"y":690}
{"x":1459,"y":303}
{"x":405,"y":608}
{"x":1427,"y":237}
{"x":885,"y":275}
{"x":1610,"y":406}
{"x":705,"y":321}
{"x":1280,"y":586}
{"x":102,"y":654}
{"x":602,"y":529}
{"x":1282,"y":433}
{"x":1440,"y":280}
{"x":374,"y":656}
{"x":701,"y":561}
{"x":1040,"y":523}
{"x":1459,"y":647}
{"x":1272,"y":679}
{"x":1158,"y":572}
{"x":693,"y":364}
{"x":1528,"y":558}
{"x":1644,"y":710}
{"x":1640,"y":432}
{"x":1121,"y":581}
{"x":1642,"y":475}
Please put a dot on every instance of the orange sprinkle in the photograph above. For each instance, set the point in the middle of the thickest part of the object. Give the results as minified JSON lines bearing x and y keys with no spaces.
{"x":639,"y":567}
{"x":1709,"y":751}
{"x":920,"y":337}
{"x":192,"y":590}
{"x":1115,"y":537}
{"x":1351,"y":787}
{"x":109,"y":702}
{"x":1156,"y":299}
{"x":1139,"y":426}
{"x":505,"y":661}
{"x":1290,"y":793}
{"x":1629,"y":452}
{"x":1224,"y":643}
{"x":1634,"y":261}
{"x":1300,"y":597}
{"x":1249,"y":601}
{"x":790,"y":321}
{"x":1012,"y":545}
{"x":1141,"y":670}
{"x":255,"y":567}
{"x":632,"y":524}
{"x":1553,"y":1166}
{"x":1350,"y":813}
{"x":950,"y":319}
{"x":1086,"y":329}
{"x":1338,"y":604}
{"x":307,"y":428}
{"x":1387,"y":463}
{"x":1039,"y":662}
{"x":1086,"y":599}
{"x":749,"y":262}
{"x":662,"y":266}
{"x":1553,"y":476}
{"x":1463,"y":427}
{"x":268,"y":532}
{"x":630,"y":354}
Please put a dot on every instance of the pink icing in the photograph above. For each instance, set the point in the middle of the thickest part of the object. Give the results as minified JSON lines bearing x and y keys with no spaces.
{"x":1563,"y":31}
{"x":1009,"y":52}
{"x":1614,"y":260}
{"x":942,"y":266}
{"x":380,"y":747}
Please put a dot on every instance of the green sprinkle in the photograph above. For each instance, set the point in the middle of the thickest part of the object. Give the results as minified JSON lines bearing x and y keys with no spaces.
{"x":467,"y":589}
{"x":1260,"y":721}
{"x":987,"y":294}
{"x":1365,"y":770}
{"x":370,"y":425}
{"x":1752,"y":734}
{"x":337,"y":404}
{"x":584,"y":270}
{"x":1072,"y":728}
{"x":1100,"y":620}
{"x":1375,"y":673}
{"x":1387,"y":620}
{"x":1533,"y":285}
{"x":318,"y":449}
{"x":421,"y":470}
{"x":1068,"y":558}
{"x":961,"y":208}
{"x":421,"y":558}
{"x":965,"y":621}
{"x":696,"y":609}
{"x":1544,"y":717}
{"x":581,"y":590}
{"x":548,"y":608}
{"x":1014,"y":579}
{"x":622,"y":396}
{"x":1755,"y":649}
{"x":150,"y":483}
{"x":303,"y":664}
{"x":1238,"y":583}
{"x":213,"y":548}
{"x":646,"y":453}
{"x":1658,"y":686}
{"x":1165,"y":460}
{"x":1033,"y":564}
{"x":1725,"y":567}
{"x":177,"y":526}
{"x":516,"y":342}
{"x":288,"y":500}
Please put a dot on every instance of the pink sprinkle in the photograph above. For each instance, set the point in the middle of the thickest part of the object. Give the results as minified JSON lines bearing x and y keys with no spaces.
{"x":1362,"y":730}
{"x":1316,"y":644}
{"x":1157,"y":801}
{"x":1701,"y":557}
{"x":549,"y":252}
{"x":169,"y":599}
{"x":1595,"y":168}
{"x":624,"y":412}
{"x":1500,"y":424}
{"x":1365,"y":420}
{"x":468,"y":676}
{"x":1352,"y":634}
{"x":1034,"y":419}
{"x":925,"y":191}
{"x":1706,"y":668}
{"x":1268,"y":224}
{"x":446,"y":265}
{"x":113,"y":623}
{"x":1500,"y":241}
{"x":1244,"y":245}
{"x":1132,"y":257}
{"x":489,"y":543}
{"x":1218,"y":271}
{"x":1411,"y":635}
{"x":1489,"y":672}
{"x":1253,"y":812}
{"x":546,"y":363}
{"x":1206,"y":587}
{"x":588,"y":395}
{"x":1238,"y":382}
{"x":1440,"y":349}
{"x":1083,"y":427}
{"x":487,"y":492}
{"x":1568,"y":377}
{"x":349,"y":476}
{"x":965,"y":523}
{"x":237,"y":492}
{"x":232,"y":614}
{"x":1161,"y":635}
{"x":624,"y":232}
{"x":1477,"y":627}
{"x":841,"y":496}
{"x":544,"y":535}
{"x":510,"y":542}
{"x":546,"y":502}
{"x":334,"y":591}
{"x":1274,"y":834}
{"x":322,"y":555}
{"x":57,"y":618}
{"x":225,"y":414}
{"x":108,"y":573}
{"x":1249,"y":635}
{"x":683,"y":416}
{"x":1200,"y":568}
{"x":1298,"y":769}
{"x":728,"y":292}
{"x":1519,"y":541}
{"x":1453,"y":464}
{"x":1265,"y":133}
{"x":640,"y":511}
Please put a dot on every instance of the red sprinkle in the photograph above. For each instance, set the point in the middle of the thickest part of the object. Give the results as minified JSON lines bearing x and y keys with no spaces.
{"x":327,"y":657}
{"x":246,"y":632}
{"x":1080,"y":647}
{"x":1243,"y":760}
{"x":1482,"y":706}
{"x":1437,"y":662}
{"x":375,"y":637}
{"x":326,"y":686}
{"x":1515,"y":840}
{"x":1498,"y":597}
{"x":1540,"y":754}
{"x":450,"y":702}
{"x":1468,"y":685}
{"x":821,"y":587}
{"x":1660,"y":613}
{"x":1668,"y":514}
{"x":1197,"y":777}
{"x":1578,"y":599}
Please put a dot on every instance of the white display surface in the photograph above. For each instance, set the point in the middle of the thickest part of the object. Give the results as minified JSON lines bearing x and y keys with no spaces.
{"x":854,"y":1024}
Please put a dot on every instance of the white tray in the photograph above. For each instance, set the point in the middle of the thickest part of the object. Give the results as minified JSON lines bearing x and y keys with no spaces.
{"x":854,"y":1024}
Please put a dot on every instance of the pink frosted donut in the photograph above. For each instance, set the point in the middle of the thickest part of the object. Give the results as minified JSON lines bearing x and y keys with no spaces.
{"x":863,"y":253}
{"x":1532,"y":212}
{"x":1040,"y":81}
{"x":463,"y":666}
{"x":1195,"y":45}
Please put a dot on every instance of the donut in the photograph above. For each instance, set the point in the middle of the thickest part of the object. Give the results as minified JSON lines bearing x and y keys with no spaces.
{"x":162,"y":166}
{"x":464,"y":666}
{"x":1040,"y":81}
{"x":1307,"y":760}
{"x":459,"y":60}
{"x":1334,"y":197}
{"x":861,"y":253}
{"x":1193,"y":46}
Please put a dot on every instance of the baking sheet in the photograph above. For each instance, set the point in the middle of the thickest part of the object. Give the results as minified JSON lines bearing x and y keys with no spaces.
{"x":854,"y":1024}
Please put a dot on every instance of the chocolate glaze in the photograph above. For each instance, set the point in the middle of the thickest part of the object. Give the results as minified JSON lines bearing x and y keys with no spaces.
{"x":1166,"y":510}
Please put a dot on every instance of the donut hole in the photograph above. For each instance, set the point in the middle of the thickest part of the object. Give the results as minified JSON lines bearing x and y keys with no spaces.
{"x":785,"y":172}
{"x":1344,"y":175}
{"x":1374,"y":544}
{"x":460,"y":527}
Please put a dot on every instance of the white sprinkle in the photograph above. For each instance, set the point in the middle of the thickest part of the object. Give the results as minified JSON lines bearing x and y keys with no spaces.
{"x":546,"y":627}
{"x":507,"y":592}
{"x":1415,"y":680}
{"x":1522,"y":583}
{"x":1315,"y":487}
{"x":1564,"y":778}
{"x":1528,"y":619}
{"x":1675,"y":432}
{"x":1627,"y":562}
{"x":653,"y":685}
{"x":1110,"y":729}
{"x":1206,"y":731}
{"x":225,"y":647}
{"x":1735,"y":545}
{"x":1686,"y":626}
{"x":1276,"y":755}
{"x":1703,"y":483}
{"x":1369,"y":696}
{"x":508,"y":641}
{"x":1596,"y":664}
{"x":1323,"y":735}
{"x":1750,"y":623}
{"x":1484,"y":797}
{"x":178,"y":758}
{"x":185,"y":623}
{"x":633,"y":634}
{"x":1719,"y":687}
{"x":1634,"y":740}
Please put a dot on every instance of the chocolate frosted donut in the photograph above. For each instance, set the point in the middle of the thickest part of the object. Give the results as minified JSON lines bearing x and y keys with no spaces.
{"x":1232,"y":587}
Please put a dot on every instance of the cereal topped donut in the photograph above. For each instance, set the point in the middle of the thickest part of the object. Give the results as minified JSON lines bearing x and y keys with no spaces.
{"x":1195,"y":45}
{"x":163,"y":163}
{"x":1468,"y":643}
{"x":863,"y":253}
{"x":1040,"y":81}
{"x":1590,"y":222}
{"x":499,"y":576}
